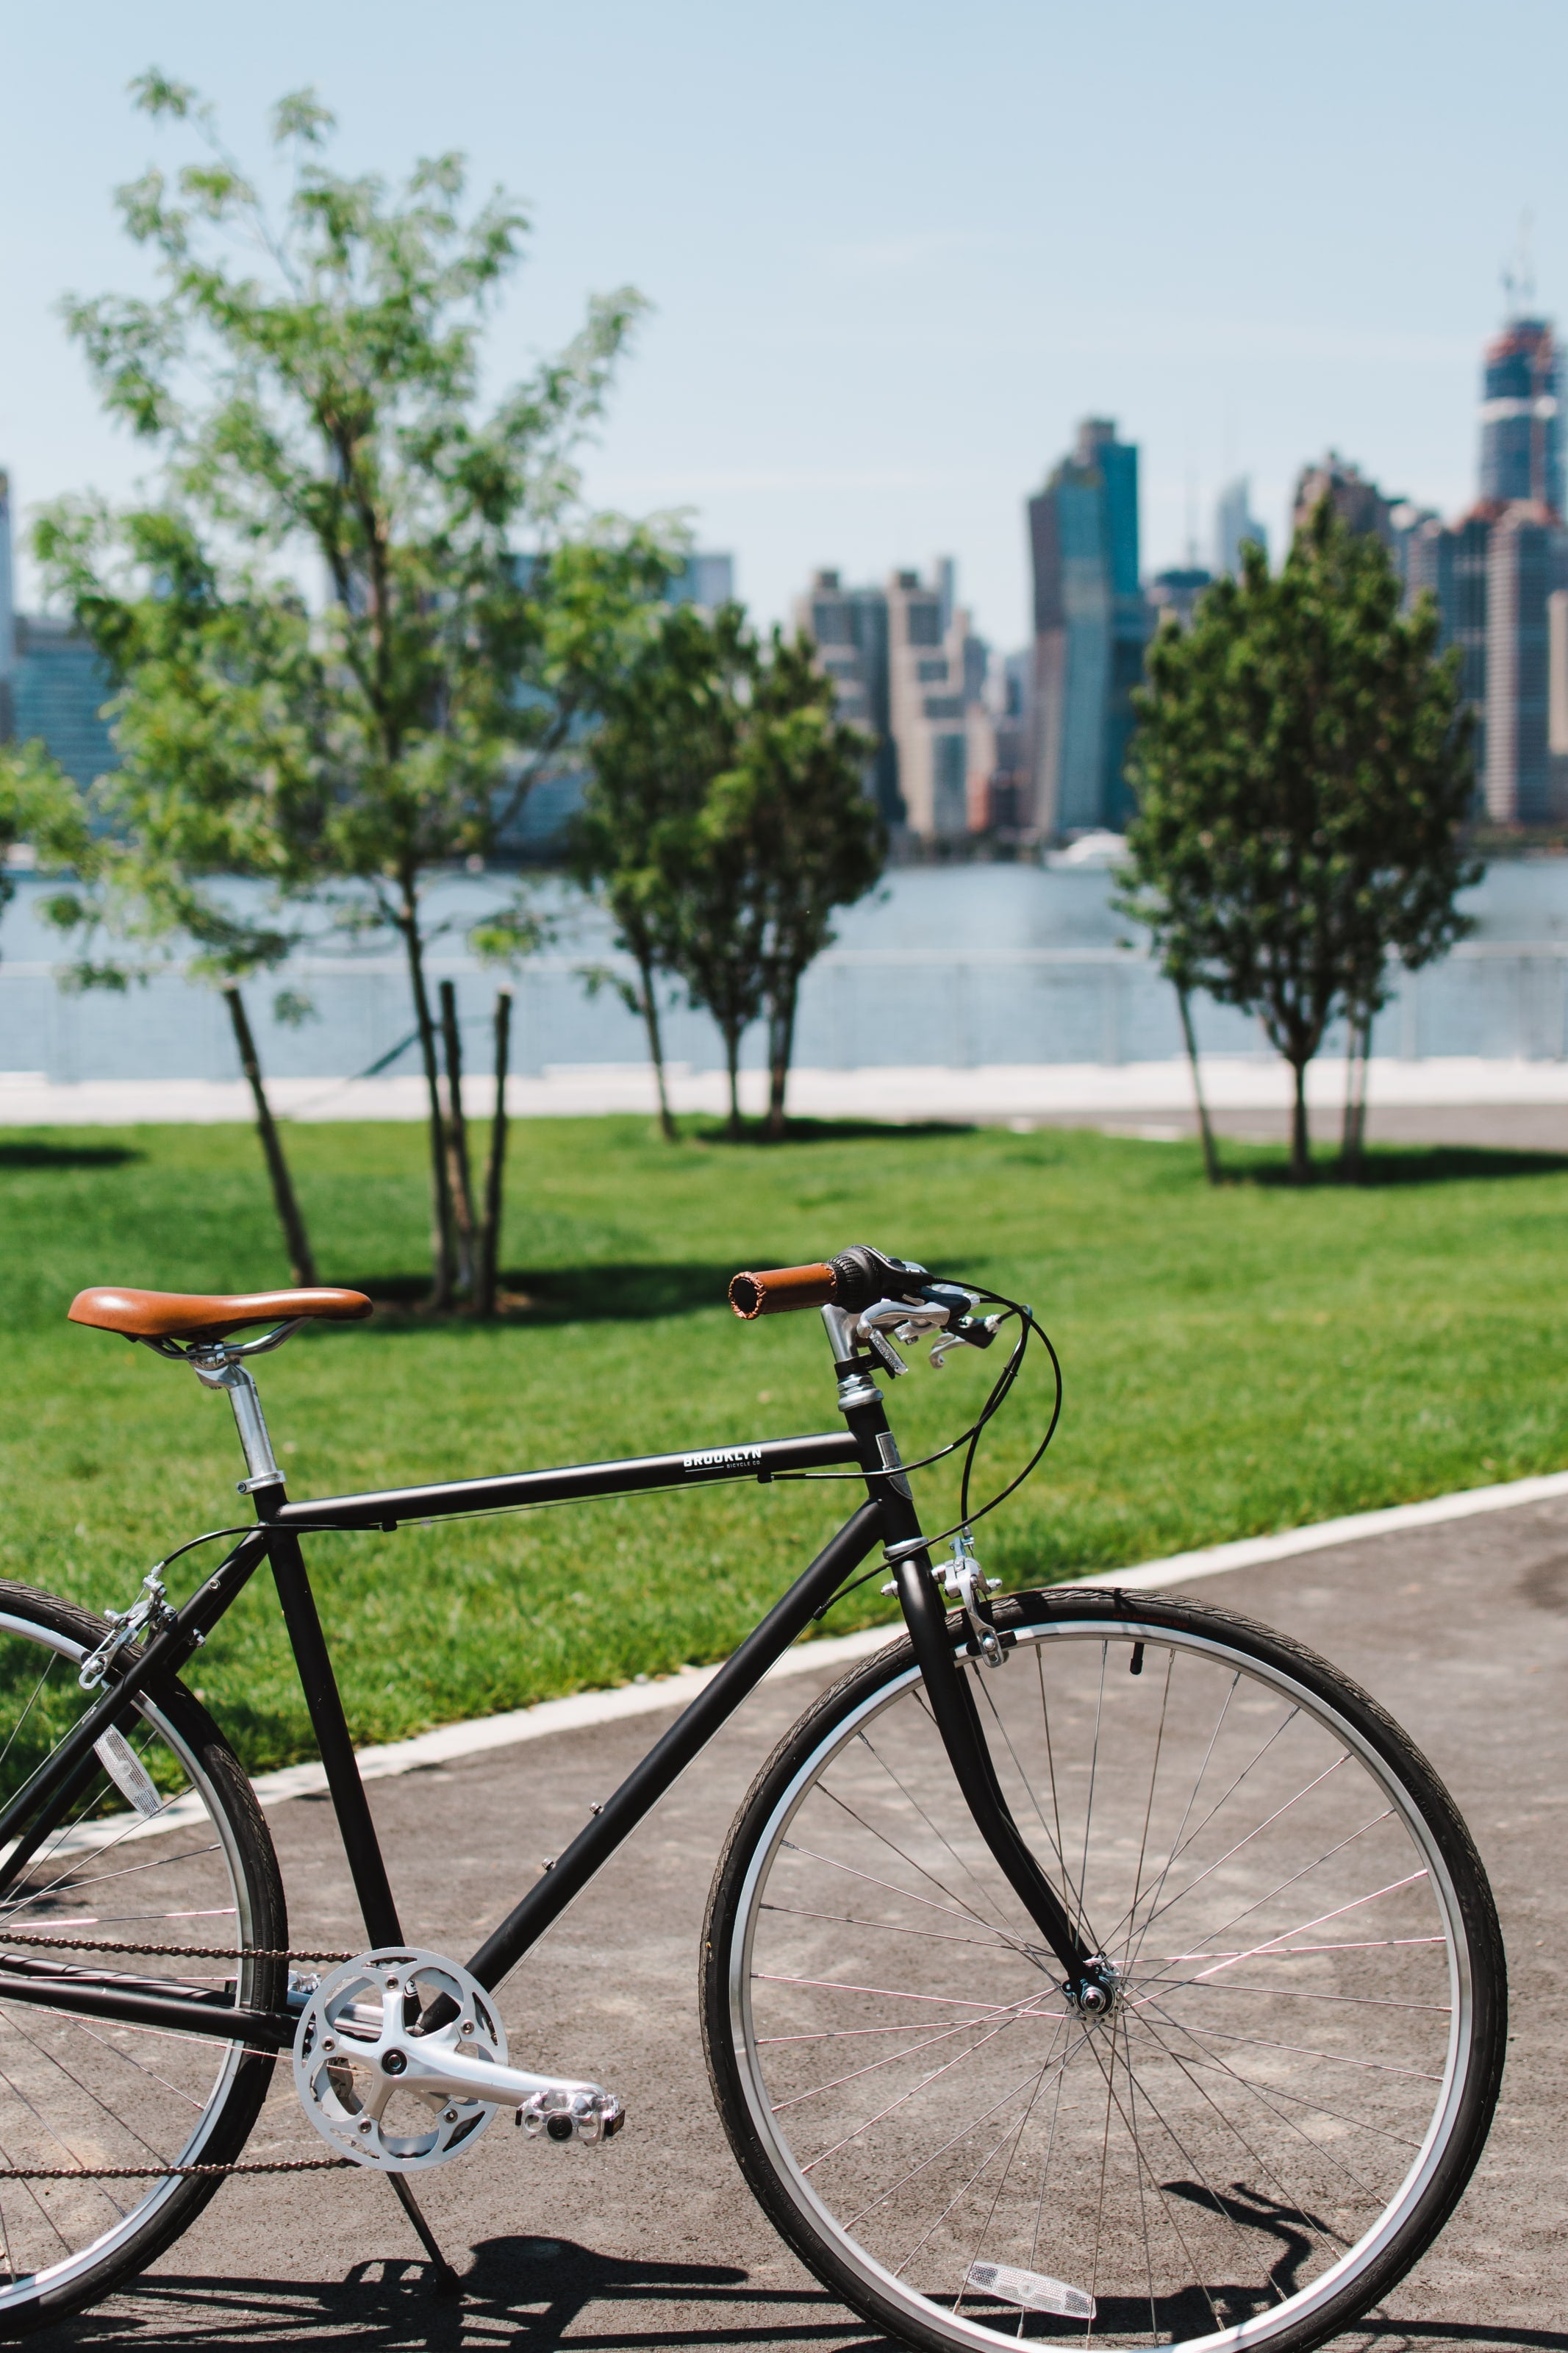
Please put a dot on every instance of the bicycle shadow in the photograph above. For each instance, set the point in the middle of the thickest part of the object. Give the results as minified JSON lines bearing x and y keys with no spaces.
{"x":537,"y":2294}
{"x":534,"y":2293}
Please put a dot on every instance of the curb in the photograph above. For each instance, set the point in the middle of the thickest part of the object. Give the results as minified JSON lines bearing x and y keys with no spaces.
{"x":584,"y":1709}
{"x":658,"y":1694}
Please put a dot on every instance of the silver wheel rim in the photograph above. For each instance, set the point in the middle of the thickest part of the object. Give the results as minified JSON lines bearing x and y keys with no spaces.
{"x":1006,"y":2325}
{"x":103,"y":1847}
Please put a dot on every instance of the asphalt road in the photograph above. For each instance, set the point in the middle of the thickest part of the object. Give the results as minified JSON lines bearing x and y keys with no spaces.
{"x":653,"y":2241}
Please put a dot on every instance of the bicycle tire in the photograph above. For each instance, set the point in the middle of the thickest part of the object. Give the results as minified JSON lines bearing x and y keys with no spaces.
{"x":75,"y":2092}
{"x":790,"y":1966}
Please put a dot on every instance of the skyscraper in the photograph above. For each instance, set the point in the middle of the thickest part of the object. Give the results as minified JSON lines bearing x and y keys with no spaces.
{"x":705,"y":580}
{"x":1496,"y":574}
{"x":849,"y":629}
{"x":52,"y":684}
{"x":1521,"y":417}
{"x":1524,"y":565}
{"x":1356,"y":500}
{"x":1449,"y":562}
{"x":909,"y":668}
{"x":1234,"y":524}
{"x":1091,"y":624}
{"x":7,"y":616}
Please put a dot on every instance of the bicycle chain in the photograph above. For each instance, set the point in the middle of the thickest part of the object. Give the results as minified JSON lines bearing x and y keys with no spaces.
{"x":170,"y":2172}
{"x":167,"y":1952}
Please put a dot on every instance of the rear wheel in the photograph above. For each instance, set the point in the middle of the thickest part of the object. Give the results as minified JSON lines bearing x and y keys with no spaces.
{"x":1300,"y":2060}
{"x":188,"y":1862}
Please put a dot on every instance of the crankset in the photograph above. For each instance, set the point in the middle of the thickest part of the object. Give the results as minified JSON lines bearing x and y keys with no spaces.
{"x":400,"y":2063}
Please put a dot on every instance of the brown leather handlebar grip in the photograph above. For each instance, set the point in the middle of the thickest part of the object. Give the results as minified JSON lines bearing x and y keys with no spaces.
{"x":781,"y":1289}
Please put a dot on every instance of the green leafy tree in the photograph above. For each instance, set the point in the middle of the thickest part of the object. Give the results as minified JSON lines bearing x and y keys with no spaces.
{"x":146,"y":835}
{"x":792,"y":819}
{"x":726,"y":816}
{"x":1303,"y":771}
{"x":310,"y":380}
{"x":661,"y":683}
{"x":42,"y":812}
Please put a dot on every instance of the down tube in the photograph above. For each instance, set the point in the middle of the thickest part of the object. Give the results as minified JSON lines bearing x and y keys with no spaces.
{"x":691,"y":1733}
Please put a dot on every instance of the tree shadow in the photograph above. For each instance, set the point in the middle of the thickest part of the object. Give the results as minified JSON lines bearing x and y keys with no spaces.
{"x":67,"y":1156}
{"x":1426,"y":1164}
{"x":517,"y":2291}
{"x":627,"y":1293}
{"x":825,"y":1130}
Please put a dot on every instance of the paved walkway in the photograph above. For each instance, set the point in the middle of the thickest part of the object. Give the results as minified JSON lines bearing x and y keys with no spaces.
{"x":653,"y":2242}
{"x":1247,"y":1093}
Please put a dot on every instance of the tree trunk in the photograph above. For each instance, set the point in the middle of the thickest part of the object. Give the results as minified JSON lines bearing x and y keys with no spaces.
{"x":495,"y":1168}
{"x":440,"y":1196}
{"x":781,"y":1049}
{"x":296,"y":1240}
{"x":1211,"y":1153}
{"x":732,"y":1063}
{"x":1356,"y":1049}
{"x":459,"y":1180}
{"x":656,"y":1051}
{"x":1301,"y":1135}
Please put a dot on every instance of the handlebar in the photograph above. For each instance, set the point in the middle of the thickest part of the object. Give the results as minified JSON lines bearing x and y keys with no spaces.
{"x":781,"y":1289}
{"x":855,"y":1280}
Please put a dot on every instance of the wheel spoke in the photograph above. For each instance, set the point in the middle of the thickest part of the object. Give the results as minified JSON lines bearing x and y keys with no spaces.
{"x":79,"y":2094}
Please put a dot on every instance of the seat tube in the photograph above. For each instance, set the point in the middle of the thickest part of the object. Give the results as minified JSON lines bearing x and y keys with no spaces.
{"x":947,"y":1685}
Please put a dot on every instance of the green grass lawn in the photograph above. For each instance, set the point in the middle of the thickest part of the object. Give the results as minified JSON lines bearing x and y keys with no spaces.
{"x":1237,"y":1361}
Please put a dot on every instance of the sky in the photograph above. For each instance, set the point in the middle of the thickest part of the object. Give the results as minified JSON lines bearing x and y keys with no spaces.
{"x":893,"y":250}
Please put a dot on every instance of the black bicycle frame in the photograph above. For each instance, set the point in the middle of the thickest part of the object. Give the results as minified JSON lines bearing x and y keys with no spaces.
{"x":888,"y":1517}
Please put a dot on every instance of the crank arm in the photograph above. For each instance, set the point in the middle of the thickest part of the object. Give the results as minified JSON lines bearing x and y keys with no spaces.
{"x":464,"y":2075}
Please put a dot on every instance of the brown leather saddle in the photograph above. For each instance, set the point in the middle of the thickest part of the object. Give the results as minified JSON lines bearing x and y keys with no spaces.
{"x":207,"y":1316}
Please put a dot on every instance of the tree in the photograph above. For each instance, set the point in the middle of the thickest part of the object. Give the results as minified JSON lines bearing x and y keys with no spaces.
{"x":311,"y":383}
{"x":794,"y":815}
{"x":42,"y":810}
{"x":1303,"y":771}
{"x":785,"y":834}
{"x":663,"y":684}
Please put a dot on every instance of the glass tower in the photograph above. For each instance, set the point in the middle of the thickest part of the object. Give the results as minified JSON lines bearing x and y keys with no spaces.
{"x":1521,"y":417}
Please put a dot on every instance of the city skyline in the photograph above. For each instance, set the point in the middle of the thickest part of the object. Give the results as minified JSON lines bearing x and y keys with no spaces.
{"x":833,"y":372}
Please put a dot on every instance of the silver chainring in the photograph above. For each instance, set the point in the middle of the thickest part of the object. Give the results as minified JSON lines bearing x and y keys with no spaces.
{"x":351,"y":2054}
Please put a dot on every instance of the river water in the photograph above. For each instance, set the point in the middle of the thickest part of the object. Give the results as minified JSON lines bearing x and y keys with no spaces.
{"x":961,"y":966}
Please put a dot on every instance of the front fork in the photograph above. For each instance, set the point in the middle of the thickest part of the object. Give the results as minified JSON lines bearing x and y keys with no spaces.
{"x":1086,"y":1981}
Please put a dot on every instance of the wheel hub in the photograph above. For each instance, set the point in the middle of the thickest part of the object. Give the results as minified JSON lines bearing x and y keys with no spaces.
{"x":1097,"y":1992}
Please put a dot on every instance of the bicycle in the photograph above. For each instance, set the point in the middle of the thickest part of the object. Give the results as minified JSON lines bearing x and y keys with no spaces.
{"x":1087,"y":1965}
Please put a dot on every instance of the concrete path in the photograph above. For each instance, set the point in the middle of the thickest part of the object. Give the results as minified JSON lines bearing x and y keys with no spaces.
{"x":1461,"y":1629}
{"x":1247,"y":1093}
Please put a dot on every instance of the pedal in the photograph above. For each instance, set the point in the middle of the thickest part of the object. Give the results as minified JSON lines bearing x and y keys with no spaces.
{"x":565,"y":2115}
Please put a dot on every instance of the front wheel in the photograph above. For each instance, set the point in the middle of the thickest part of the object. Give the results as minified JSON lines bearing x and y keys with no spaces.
{"x":1299,"y":2062}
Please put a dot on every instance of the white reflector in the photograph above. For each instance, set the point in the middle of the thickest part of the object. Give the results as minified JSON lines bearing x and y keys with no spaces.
{"x":1031,"y":2290}
{"x":129,"y":1775}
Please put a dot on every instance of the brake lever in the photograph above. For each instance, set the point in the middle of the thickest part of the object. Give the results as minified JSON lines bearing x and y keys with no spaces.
{"x":885,"y":1349}
{"x":977,"y":1333}
{"x":910,"y":1319}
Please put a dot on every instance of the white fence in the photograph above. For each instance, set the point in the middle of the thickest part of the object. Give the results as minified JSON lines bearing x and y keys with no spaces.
{"x":934,"y":1003}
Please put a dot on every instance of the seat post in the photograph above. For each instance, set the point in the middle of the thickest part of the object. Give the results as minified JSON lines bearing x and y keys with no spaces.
{"x":215,"y":1368}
